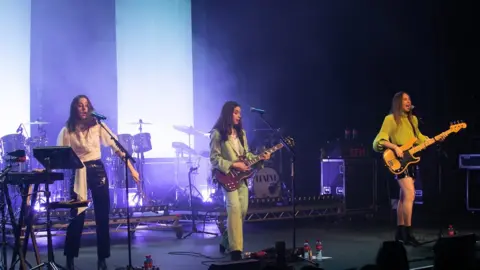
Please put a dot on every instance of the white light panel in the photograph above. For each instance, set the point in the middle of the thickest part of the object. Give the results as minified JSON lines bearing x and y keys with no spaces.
{"x":154,"y":67}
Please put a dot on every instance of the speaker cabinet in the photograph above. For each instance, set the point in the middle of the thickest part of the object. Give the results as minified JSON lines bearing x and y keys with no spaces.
{"x":473,"y":188}
{"x":352,"y":179}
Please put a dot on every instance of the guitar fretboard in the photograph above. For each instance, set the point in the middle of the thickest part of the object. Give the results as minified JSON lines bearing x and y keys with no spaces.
{"x":429,"y":142}
{"x":270,"y":150}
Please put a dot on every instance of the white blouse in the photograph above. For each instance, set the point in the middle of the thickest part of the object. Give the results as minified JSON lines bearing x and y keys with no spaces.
{"x":87,"y":146}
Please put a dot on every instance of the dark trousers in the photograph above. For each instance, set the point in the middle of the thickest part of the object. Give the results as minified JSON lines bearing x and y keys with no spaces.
{"x":97,"y":182}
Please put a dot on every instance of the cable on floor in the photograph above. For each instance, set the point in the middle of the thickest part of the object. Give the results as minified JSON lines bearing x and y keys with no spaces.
{"x":198,"y":255}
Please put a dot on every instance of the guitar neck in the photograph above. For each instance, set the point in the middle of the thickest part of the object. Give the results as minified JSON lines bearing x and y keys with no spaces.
{"x":257,"y":158}
{"x":429,"y":142}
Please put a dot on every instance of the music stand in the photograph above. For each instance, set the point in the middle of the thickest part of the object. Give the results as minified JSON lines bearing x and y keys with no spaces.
{"x":61,"y":158}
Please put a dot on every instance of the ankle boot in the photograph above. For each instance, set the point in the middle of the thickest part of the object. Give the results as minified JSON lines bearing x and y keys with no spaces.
{"x":236,"y":255}
{"x":401,"y":234}
{"x":410,"y":239}
{"x":70,"y":264}
{"x":102,"y":264}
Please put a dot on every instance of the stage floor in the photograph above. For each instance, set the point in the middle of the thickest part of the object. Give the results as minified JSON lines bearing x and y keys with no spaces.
{"x":350,"y":243}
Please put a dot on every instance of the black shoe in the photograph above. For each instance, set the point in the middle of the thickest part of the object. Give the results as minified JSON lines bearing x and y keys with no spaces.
{"x":70,"y":264}
{"x":401,"y":234}
{"x":410,"y":240}
{"x":102,"y":265}
{"x":236,"y":255}
{"x":222,"y":248}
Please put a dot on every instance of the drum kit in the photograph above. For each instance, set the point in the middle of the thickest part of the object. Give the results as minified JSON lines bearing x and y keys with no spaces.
{"x":137,"y":145}
{"x":266,"y":182}
{"x":22,"y":141}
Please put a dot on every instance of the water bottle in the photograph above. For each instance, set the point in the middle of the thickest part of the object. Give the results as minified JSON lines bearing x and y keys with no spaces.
{"x":306,"y":250}
{"x":148,"y":263}
{"x":319,"y":248}
{"x":451,"y":231}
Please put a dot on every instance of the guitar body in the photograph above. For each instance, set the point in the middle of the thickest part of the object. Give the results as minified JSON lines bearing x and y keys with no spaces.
{"x":397,"y":165}
{"x":232,"y":180}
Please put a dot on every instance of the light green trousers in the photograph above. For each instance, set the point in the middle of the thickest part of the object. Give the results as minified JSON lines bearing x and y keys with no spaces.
{"x":236,"y":203}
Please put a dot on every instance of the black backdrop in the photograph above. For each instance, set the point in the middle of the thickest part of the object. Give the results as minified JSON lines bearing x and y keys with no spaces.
{"x":320,"y":66}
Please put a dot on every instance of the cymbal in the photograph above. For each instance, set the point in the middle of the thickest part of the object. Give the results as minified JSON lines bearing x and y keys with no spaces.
{"x":139,"y":123}
{"x":37,"y":123}
{"x":190,"y":130}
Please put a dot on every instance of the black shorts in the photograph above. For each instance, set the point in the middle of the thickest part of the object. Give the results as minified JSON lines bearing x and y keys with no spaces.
{"x":412,"y":171}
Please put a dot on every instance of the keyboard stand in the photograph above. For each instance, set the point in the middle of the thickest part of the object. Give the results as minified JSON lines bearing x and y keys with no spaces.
{"x":28,"y":222}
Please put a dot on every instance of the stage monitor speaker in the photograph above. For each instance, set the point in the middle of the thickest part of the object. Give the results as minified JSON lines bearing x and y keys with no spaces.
{"x":236,"y":265}
{"x":453,"y":251}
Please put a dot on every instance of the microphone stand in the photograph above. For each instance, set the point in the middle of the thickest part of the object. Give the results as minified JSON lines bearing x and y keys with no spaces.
{"x":290,"y":149}
{"x":127,"y":157}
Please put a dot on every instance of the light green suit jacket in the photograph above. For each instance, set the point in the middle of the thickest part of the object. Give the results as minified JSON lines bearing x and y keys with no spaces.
{"x":223,"y":154}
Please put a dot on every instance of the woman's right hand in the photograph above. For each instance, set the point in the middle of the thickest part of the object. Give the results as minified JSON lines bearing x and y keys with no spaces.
{"x":240,"y":166}
{"x":398,"y":152}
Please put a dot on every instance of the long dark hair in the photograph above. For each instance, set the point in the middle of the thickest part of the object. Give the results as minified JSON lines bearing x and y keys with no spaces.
{"x":73,"y":119}
{"x":396,"y":109}
{"x":224,"y":122}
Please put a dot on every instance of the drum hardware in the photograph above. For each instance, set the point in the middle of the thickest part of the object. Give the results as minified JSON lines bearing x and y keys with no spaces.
{"x":182,"y":147}
{"x":141,"y":143}
{"x":194,"y":213}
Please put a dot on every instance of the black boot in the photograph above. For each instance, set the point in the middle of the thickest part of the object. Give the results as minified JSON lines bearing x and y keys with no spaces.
{"x":70,"y":265}
{"x":102,"y":264}
{"x":410,"y":239}
{"x":401,"y":234}
{"x":222,"y":248}
{"x":236,"y":255}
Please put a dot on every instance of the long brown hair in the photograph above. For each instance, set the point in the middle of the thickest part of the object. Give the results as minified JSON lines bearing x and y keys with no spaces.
{"x":396,"y":109}
{"x":73,"y":117}
{"x":225,"y":124}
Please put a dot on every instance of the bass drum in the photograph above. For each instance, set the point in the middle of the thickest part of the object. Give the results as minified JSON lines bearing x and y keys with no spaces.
{"x":266,"y":184}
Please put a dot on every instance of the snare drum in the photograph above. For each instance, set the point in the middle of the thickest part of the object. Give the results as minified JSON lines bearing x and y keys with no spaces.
{"x":12,"y":142}
{"x":142,"y":143}
{"x":266,"y":184}
{"x":126,"y":140}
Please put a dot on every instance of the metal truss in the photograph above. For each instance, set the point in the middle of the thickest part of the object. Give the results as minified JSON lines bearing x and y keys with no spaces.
{"x":270,"y":211}
{"x":151,"y":219}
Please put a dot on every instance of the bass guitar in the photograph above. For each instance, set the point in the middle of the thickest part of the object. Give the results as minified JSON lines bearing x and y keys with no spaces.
{"x":232,"y":180}
{"x":399,"y":165}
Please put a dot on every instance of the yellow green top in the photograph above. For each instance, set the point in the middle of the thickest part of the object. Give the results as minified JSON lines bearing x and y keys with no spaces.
{"x":397,"y":134}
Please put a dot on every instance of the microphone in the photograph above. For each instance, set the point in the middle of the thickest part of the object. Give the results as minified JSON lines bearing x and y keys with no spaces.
{"x":19,"y":129}
{"x":412,"y":107}
{"x":256,"y":110}
{"x":98,"y":116}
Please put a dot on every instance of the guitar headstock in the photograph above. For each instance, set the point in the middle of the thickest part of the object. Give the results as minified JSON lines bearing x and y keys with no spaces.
{"x":290,"y":141}
{"x":456,"y":126}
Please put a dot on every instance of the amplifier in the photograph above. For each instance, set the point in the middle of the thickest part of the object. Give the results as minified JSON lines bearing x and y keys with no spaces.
{"x":469,"y":161}
{"x":352,"y":179}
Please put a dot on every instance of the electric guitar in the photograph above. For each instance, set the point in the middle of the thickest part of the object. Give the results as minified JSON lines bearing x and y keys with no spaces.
{"x":399,"y":165}
{"x":232,"y":180}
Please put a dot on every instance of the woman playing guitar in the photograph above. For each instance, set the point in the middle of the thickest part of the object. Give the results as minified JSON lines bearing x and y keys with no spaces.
{"x":397,"y":129}
{"x":228,"y":143}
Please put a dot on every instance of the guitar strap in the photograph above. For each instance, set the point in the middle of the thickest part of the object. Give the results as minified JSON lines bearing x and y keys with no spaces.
{"x":413,"y":127}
